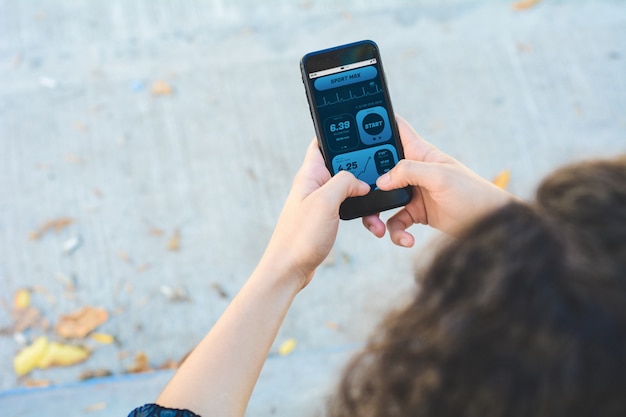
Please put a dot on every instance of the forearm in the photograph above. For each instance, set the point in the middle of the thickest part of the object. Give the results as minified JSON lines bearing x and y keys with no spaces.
{"x":218,"y":377}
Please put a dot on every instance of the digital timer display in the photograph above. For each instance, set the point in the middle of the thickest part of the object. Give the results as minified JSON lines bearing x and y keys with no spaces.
{"x":339,"y":126}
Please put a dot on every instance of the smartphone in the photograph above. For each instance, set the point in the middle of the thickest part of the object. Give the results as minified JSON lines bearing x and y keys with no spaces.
{"x":354,"y":121}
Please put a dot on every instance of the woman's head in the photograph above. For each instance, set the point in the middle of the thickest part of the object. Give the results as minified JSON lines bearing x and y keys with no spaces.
{"x":523,"y":315}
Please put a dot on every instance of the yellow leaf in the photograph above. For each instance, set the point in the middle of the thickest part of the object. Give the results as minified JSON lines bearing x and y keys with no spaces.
{"x":287,"y":347}
{"x":104,"y":338}
{"x":29,"y":357}
{"x":58,"y":354}
{"x":21,"y":299}
{"x":502,"y":179}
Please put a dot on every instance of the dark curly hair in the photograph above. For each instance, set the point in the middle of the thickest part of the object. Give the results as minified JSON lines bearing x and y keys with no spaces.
{"x":523,"y":315}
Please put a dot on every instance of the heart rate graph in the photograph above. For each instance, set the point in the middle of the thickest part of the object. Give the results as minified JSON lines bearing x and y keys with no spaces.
{"x":364,"y":169}
{"x":348,"y":94}
{"x":367,"y":164}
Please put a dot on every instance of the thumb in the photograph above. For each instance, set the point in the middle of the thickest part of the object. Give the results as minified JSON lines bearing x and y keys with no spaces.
{"x":406,"y":172}
{"x":341,"y":186}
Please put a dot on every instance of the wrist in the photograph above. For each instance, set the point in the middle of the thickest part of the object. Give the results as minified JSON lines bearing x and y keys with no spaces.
{"x":280,"y":273}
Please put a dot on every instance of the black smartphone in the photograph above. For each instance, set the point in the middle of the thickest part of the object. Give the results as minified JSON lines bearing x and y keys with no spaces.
{"x":354,"y":121}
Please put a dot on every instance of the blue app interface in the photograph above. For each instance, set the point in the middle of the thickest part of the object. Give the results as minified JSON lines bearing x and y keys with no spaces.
{"x":355,"y":122}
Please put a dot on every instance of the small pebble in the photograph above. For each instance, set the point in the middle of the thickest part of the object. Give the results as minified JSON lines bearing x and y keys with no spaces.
{"x":71,"y":245}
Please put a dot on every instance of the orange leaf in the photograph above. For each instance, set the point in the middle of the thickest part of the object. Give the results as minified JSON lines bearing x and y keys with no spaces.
{"x":174,"y":243}
{"x":524,"y":4}
{"x":79,"y":323}
{"x":161,"y":88}
{"x":141,"y":364}
{"x":56,"y":224}
{"x":502,"y":179}
{"x":168,"y":364}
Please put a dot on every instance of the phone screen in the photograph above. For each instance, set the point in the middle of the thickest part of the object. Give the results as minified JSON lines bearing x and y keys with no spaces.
{"x":354,"y":120}
{"x":352,"y":107}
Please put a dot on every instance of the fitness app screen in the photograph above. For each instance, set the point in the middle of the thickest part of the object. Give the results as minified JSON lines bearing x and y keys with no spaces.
{"x":352,"y":108}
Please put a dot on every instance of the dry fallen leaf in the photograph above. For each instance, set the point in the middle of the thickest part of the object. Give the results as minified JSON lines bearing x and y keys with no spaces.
{"x":141,"y":364}
{"x":94,"y":373}
{"x":161,"y":88}
{"x":123,"y":354}
{"x":95,"y":407}
{"x":69,"y":282}
{"x":502,"y":179}
{"x":168,"y":364}
{"x":287,"y":347}
{"x":21,"y":299}
{"x":74,"y":159}
{"x":174,"y":243}
{"x":333,"y":325}
{"x":28,"y":358}
{"x":37,"y":383}
{"x":80,"y":126}
{"x":79,"y":323}
{"x":43,"y":354}
{"x":124,"y":256}
{"x":56,"y":224}
{"x":103,"y":338}
{"x":38,"y":289}
{"x":27,"y":318}
{"x":524,"y":4}
{"x":60,"y":354}
{"x":220,"y":290}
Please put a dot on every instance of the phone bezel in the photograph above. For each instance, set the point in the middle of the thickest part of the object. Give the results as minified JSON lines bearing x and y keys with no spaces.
{"x":375,"y":201}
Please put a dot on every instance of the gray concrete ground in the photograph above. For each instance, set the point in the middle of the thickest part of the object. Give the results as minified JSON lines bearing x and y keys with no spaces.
{"x":82,"y":136}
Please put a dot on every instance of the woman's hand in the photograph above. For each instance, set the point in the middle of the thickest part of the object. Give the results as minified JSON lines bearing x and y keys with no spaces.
{"x":218,"y":377}
{"x":446,"y":194}
{"x":307,"y":227}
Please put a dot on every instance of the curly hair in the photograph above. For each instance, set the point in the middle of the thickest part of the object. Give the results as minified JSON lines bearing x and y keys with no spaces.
{"x":523,"y":315}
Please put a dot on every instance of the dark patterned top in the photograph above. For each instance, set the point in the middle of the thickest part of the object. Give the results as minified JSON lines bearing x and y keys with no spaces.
{"x":154,"y":410}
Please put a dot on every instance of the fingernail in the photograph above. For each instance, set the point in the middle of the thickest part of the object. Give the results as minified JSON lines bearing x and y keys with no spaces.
{"x":383,"y":179}
{"x":405,"y":241}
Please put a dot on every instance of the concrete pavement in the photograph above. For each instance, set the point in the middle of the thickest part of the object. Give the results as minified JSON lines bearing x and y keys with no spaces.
{"x":82,"y":136}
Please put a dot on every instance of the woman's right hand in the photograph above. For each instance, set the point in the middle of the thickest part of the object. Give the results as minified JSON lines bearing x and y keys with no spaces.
{"x":446,"y":194}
